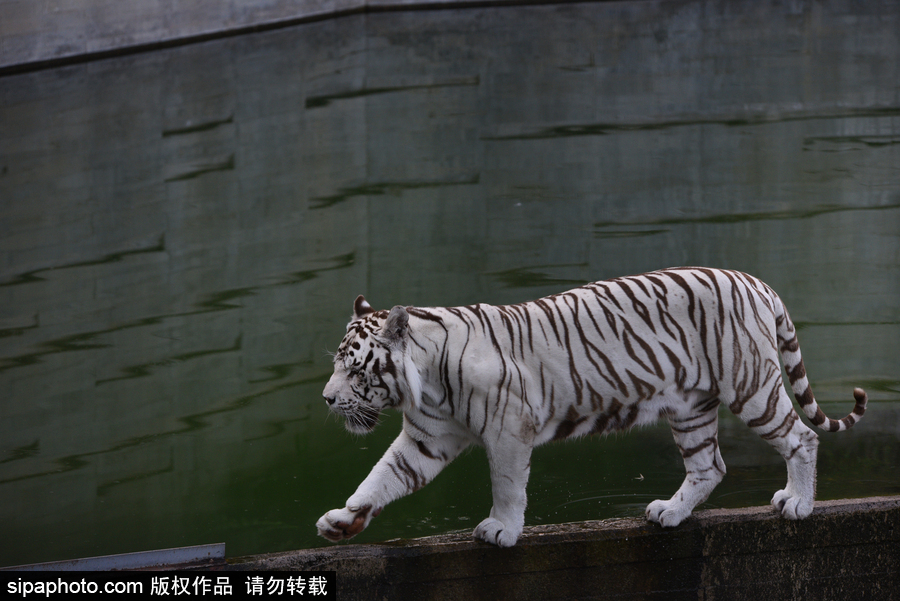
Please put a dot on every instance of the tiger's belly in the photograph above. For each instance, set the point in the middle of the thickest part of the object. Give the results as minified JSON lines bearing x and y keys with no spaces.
{"x":613,"y":414}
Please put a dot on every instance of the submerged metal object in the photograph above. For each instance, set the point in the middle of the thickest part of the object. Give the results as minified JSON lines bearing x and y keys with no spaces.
{"x":161,"y":558}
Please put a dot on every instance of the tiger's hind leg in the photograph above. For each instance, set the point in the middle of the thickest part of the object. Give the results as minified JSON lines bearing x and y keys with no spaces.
{"x":697,"y":439}
{"x":799,"y":445}
{"x":780,"y":426}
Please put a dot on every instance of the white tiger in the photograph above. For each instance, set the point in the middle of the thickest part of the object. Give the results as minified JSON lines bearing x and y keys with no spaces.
{"x":607,"y":356}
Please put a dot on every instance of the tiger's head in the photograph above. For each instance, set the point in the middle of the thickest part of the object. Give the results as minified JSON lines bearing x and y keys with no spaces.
{"x":372,"y":367}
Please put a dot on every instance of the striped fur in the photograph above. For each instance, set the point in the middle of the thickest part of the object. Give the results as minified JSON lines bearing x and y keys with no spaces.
{"x":608,"y":356}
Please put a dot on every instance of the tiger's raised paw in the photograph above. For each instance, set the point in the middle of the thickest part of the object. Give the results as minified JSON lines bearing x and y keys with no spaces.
{"x":667,"y":514}
{"x":341,"y":524}
{"x":493,"y":531}
{"x":792,"y":507}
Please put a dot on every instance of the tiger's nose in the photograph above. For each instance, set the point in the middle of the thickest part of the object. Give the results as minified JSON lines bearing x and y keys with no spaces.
{"x":330,"y":401}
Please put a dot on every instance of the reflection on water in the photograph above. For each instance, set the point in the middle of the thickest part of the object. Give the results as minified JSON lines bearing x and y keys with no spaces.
{"x":184,"y":232}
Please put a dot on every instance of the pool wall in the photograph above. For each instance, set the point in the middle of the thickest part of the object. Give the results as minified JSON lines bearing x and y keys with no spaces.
{"x":46,"y":34}
{"x":846,"y":550}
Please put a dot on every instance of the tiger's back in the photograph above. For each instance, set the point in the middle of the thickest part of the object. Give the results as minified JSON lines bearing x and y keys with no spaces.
{"x":607,"y":356}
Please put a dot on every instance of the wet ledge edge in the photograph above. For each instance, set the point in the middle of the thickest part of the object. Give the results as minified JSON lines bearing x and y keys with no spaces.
{"x":73,"y":38}
{"x":846,"y":549}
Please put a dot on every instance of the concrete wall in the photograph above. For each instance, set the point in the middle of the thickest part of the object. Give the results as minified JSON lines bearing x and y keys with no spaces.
{"x":35,"y":33}
{"x":847,"y":549}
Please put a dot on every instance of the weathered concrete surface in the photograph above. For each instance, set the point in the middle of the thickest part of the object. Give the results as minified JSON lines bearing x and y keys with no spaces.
{"x":38,"y":33}
{"x":848,"y":549}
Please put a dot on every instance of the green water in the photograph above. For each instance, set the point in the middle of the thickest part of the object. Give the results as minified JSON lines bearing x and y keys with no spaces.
{"x":184,"y":232}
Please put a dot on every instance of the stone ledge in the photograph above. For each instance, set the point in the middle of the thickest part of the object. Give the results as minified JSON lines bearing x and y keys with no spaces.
{"x":848,"y":549}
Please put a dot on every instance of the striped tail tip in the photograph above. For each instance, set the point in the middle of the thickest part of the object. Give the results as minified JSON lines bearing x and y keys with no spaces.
{"x":839,"y":425}
{"x":861,"y":399}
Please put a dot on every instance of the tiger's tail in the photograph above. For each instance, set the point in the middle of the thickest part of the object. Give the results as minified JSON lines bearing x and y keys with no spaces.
{"x":793,"y":365}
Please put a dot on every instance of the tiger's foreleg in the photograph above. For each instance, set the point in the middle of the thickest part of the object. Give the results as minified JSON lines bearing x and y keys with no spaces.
{"x":407,"y":466}
{"x":510,"y":463}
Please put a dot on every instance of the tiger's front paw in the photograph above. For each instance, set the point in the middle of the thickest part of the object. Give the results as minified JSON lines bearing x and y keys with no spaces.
{"x":497,"y":533}
{"x":341,"y":524}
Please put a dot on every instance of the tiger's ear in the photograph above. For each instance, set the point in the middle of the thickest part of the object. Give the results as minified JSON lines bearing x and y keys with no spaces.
{"x":396,"y":327}
{"x":361,"y":308}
